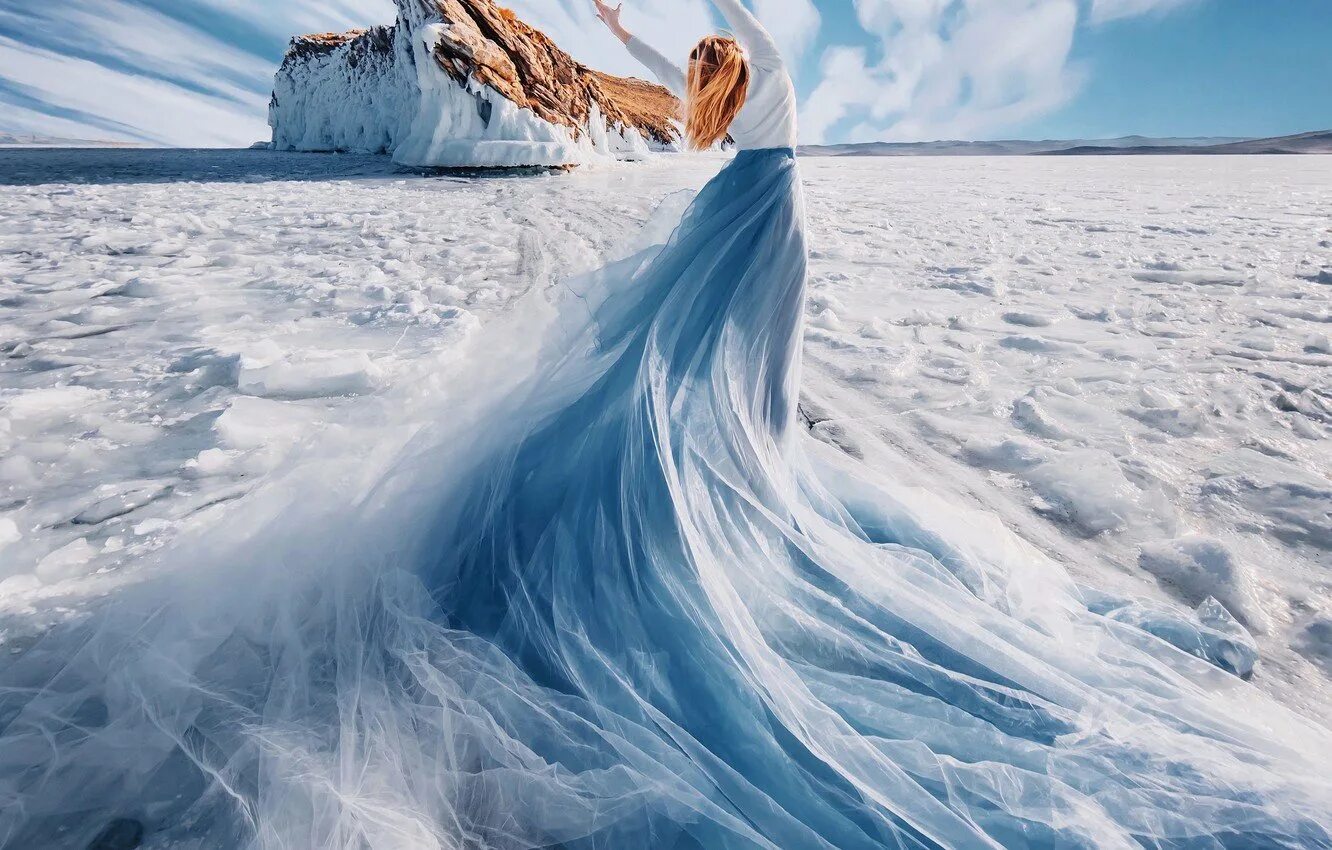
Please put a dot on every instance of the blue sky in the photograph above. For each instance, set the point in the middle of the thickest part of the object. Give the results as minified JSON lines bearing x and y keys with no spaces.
{"x":1220,"y":68}
{"x":198,"y":72}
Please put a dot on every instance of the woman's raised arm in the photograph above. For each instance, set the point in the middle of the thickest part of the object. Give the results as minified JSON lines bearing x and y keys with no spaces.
{"x":749,"y":32}
{"x":667,"y":72}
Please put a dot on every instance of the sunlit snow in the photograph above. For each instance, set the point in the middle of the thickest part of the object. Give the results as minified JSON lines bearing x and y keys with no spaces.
{"x":1126,"y":360}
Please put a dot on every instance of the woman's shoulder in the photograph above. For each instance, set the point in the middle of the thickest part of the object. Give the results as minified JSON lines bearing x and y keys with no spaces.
{"x":769,"y":62}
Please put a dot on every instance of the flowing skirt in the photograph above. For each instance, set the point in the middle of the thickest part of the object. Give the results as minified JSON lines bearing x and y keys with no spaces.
{"x":627,"y":602}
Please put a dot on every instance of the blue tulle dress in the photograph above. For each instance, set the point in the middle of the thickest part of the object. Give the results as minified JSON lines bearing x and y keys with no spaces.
{"x":618,"y":598}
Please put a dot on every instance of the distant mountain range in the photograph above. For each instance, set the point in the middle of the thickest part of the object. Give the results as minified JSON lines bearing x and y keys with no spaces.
{"x":18,"y":140}
{"x":1317,"y":142}
{"x":1302,"y":143}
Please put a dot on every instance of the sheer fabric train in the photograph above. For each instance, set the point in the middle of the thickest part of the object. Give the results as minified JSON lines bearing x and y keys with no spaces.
{"x":616,"y":597}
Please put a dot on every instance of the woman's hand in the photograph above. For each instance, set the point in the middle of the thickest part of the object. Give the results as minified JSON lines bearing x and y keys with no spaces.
{"x":611,"y":18}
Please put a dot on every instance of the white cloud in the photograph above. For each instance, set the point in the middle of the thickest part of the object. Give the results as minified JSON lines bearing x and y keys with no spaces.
{"x":22,"y":121}
{"x":673,"y":28}
{"x":156,"y":111}
{"x":954,"y":68}
{"x":132,"y":72}
{"x":794,"y":25}
{"x":120,"y":69}
{"x":130,"y":36}
{"x":948,"y":69}
{"x":929,"y":69}
{"x":1109,"y":10}
{"x":844,"y":74}
{"x":296,"y":17}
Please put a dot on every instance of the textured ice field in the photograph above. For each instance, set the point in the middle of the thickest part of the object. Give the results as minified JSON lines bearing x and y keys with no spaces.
{"x":1126,"y":359}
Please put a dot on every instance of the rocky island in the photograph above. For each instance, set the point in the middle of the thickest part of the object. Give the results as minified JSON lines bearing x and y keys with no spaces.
{"x":462,"y":83}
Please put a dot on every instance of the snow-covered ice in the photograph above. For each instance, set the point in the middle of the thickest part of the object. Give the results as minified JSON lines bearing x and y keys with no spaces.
{"x":1125,"y":360}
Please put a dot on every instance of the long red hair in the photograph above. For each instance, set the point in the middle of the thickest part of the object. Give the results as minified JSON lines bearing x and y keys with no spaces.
{"x":717,"y":83}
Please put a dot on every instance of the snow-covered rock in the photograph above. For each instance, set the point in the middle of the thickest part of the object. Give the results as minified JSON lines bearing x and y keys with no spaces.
{"x":461,"y":83}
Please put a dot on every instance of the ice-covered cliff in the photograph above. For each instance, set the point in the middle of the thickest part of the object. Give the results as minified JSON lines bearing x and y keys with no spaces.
{"x":459,"y":83}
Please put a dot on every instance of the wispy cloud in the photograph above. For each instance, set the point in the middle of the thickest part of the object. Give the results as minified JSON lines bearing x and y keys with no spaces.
{"x":954,"y":68}
{"x":1109,"y":10}
{"x":60,"y":90}
{"x":672,"y":27}
{"x":946,"y":69}
{"x":794,"y":25}
{"x":189,"y":72}
{"x":200,"y":71}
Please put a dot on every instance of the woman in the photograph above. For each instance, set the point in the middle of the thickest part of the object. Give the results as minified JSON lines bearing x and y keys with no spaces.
{"x":625,"y":602}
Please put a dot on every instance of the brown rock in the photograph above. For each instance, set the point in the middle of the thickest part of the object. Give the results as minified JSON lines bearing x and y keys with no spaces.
{"x":496,"y":48}
{"x":376,"y":40}
{"x":319,"y":44}
{"x":490,"y":45}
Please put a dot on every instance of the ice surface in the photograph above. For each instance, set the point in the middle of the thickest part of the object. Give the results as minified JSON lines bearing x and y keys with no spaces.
{"x":1124,"y":360}
{"x":308,"y":376}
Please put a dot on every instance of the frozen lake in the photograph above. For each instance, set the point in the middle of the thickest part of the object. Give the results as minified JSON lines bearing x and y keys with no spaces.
{"x":1125,"y":359}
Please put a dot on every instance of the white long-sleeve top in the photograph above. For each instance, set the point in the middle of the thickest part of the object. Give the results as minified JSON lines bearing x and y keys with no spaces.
{"x":768,"y":117}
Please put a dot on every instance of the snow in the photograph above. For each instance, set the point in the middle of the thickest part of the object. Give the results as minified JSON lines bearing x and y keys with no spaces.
{"x":1202,"y":568}
{"x":251,"y":423}
{"x":9,"y":532}
{"x":1123,"y":360}
{"x":1088,"y":488}
{"x":307,"y":375}
{"x":1314,"y":639}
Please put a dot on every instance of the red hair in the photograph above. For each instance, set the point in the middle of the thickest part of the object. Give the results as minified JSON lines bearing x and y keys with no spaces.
{"x":717,"y":83}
